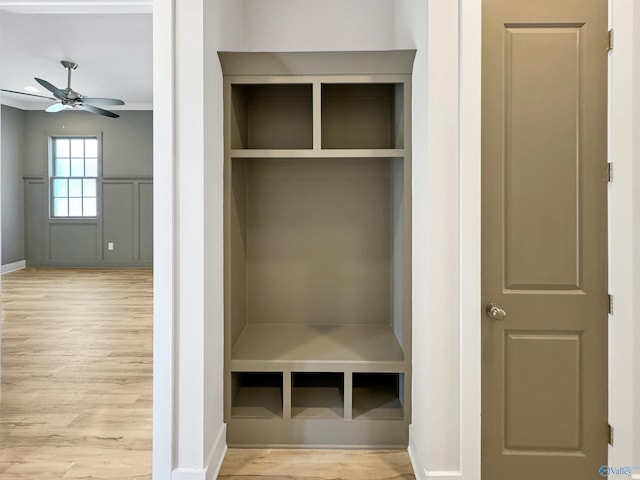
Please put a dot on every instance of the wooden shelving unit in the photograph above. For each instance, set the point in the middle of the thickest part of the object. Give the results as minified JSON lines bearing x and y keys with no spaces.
{"x":317,"y":248}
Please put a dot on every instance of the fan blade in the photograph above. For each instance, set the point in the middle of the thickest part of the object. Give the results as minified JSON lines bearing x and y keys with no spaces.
{"x":53,"y":89}
{"x":99,"y":111}
{"x":56,"y":107}
{"x":30,"y":94}
{"x":102,"y":101}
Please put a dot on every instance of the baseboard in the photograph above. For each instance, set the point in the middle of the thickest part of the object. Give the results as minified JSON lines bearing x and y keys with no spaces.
{"x":446,"y":475}
{"x":216,"y":455}
{"x":418,"y":465}
{"x":414,"y":456}
{"x":12,"y":267}
{"x":212,"y":464}
{"x":187,"y":474}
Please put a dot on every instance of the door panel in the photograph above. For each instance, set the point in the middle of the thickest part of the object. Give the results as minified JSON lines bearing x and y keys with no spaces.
{"x":541,"y":169}
{"x":543,"y":411}
{"x":544,"y":257}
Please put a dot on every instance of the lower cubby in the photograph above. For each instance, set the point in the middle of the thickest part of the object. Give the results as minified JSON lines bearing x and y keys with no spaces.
{"x":378,"y":395}
{"x":317,"y":395}
{"x":256,"y":394}
{"x":297,"y":407}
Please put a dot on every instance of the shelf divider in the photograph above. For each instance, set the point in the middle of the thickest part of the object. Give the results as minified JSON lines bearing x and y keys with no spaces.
{"x":317,"y":116}
{"x":348,"y":395}
{"x":286,"y":394}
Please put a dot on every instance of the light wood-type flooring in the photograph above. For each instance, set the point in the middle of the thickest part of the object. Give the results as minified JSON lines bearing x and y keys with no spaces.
{"x":282,"y":464}
{"x":75,"y":398}
{"x":76,"y":374}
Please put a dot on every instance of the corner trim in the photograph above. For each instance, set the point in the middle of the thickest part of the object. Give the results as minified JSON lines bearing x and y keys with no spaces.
{"x":419,"y":469}
{"x":187,"y":474}
{"x":12,"y":267}
{"x":449,"y":475}
{"x":418,"y":466}
{"x":213,"y":463}
{"x":216,"y":455}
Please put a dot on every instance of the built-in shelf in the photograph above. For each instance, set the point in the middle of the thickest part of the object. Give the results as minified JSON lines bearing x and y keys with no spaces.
{"x":317,"y":239}
{"x":378,"y":395}
{"x":256,"y":395}
{"x":317,"y":395}
{"x":317,"y":343}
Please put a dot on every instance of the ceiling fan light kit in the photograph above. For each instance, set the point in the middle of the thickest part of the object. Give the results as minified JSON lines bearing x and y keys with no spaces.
{"x":68,"y":98}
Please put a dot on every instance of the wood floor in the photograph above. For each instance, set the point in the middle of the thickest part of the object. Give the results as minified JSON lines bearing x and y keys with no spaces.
{"x":272,"y":464}
{"x":75,"y":398}
{"x":76,"y":375}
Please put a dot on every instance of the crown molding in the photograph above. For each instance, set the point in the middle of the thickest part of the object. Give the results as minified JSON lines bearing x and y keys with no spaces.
{"x":76,"y":6}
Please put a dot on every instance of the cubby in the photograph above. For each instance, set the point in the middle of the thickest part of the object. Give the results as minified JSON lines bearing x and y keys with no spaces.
{"x":256,"y":394}
{"x":378,"y":395}
{"x":362,"y":115}
{"x":317,"y":248}
{"x":271,"y":116}
{"x":317,"y":395}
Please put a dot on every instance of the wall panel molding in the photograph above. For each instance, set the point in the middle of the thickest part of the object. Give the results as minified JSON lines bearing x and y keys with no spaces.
{"x":53,"y":241}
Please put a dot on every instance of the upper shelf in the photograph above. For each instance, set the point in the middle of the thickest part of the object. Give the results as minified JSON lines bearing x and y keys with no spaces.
{"x":318,"y":63}
{"x":312,"y":120}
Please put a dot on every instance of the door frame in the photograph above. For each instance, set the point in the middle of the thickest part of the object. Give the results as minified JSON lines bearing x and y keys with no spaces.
{"x":624,"y":390}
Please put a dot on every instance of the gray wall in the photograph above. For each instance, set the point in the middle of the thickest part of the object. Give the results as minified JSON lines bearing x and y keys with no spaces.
{"x":125,"y":201}
{"x":13,"y":150}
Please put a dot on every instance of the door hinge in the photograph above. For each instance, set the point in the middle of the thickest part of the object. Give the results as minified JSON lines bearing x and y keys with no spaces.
{"x":610,"y":435}
{"x":610,"y":46}
{"x":610,"y":304}
{"x":610,"y":172}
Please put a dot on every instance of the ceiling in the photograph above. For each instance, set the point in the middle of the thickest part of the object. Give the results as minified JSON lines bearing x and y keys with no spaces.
{"x":113,"y":53}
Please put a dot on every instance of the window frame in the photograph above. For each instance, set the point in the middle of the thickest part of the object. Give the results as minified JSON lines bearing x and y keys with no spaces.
{"x":52,"y":177}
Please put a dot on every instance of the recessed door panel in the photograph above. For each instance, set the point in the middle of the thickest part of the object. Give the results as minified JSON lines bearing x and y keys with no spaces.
{"x":542,"y":392}
{"x":541,"y":157}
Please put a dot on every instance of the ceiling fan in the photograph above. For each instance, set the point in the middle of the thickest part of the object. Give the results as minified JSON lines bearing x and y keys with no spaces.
{"x":69,"y":98}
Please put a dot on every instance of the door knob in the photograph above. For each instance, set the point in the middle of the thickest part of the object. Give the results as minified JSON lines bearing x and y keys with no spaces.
{"x":495,"y":312}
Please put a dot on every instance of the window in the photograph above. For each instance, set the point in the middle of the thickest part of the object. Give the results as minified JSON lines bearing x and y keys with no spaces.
{"x":74,"y":176}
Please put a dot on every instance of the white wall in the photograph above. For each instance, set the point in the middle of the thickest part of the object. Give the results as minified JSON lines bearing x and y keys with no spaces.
{"x":222,"y":19}
{"x":432,"y":28}
{"x":201,"y":29}
{"x":624,"y":238}
{"x":307,"y":25}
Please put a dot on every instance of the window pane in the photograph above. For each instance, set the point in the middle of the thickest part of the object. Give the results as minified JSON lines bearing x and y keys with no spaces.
{"x":60,"y":187}
{"x":91,"y":167}
{"x":89,"y":207}
{"x":62,"y":167}
{"x":89,"y":187}
{"x":75,"y":207}
{"x":60,"y":207}
{"x":75,"y":187}
{"x":77,"y":167}
{"x":62,"y":147}
{"x":77,"y":147}
{"x":91,"y":147}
